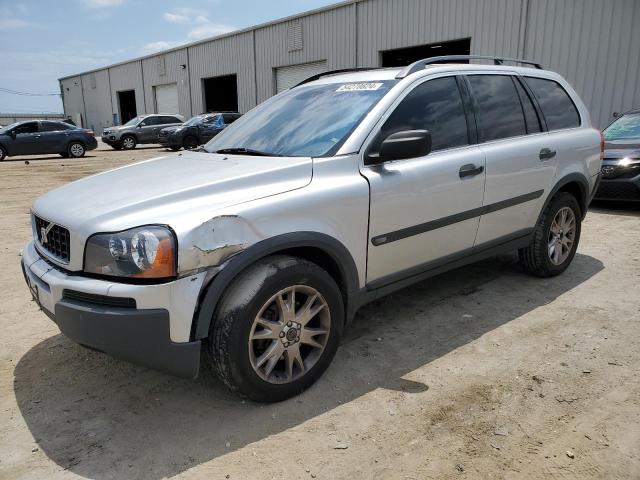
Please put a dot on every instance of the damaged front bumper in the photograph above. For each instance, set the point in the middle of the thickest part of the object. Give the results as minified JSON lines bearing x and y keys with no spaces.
{"x":146,"y":324}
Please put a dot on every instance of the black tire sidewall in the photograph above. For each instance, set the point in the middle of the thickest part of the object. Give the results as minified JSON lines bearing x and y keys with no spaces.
{"x":3,"y":153}
{"x":186,"y":141}
{"x":241,"y":371}
{"x":561,"y":201}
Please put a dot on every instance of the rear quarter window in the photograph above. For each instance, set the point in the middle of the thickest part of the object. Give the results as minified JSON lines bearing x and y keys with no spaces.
{"x":557,"y":107}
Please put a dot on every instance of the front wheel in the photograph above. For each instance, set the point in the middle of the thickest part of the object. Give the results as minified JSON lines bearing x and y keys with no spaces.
{"x":555,"y":239}
{"x":128,"y":142}
{"x":3,"y":153}
{"x":275,"y":342}
{"x":190,"y":142}
{"x":76,"y":150}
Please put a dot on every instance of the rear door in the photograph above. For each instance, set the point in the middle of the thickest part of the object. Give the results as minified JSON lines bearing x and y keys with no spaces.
{"x":520,"y":157}
{"x":149,"y":128}
{"x":425,"y":211}
{"x":54,"y":137}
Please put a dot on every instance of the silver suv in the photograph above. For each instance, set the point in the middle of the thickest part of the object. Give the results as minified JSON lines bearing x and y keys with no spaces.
{"x":141,"y":129}
{"x":261,"y":248}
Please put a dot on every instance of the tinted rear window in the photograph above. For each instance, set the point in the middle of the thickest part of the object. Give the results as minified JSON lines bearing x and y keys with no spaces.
{"x":54,"y":126}
{"x":499,"y":107}
{"x":557,"y":107}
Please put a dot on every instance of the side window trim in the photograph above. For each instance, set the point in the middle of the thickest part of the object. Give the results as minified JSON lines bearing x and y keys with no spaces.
{"x":375,"y":131}
{"x":534,"y":100}
{"x":575,"y":106}
{"x":524,"y":112}
{"x":470,"y":109}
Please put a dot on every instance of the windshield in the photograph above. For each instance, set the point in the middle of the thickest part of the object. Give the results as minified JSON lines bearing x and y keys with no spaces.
{"x":132,"y":122}
{"x":193,"y":121}
{"x":307,"y":121}
{"x":8,"y":127}
{"x":626,"y":127}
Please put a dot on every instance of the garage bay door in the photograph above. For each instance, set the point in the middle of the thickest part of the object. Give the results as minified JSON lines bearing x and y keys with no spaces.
{"x":287,"y":77}
{"x":166,"y":98}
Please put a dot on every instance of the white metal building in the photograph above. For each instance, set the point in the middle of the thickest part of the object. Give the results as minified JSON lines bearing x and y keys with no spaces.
{"x":593,"y":43}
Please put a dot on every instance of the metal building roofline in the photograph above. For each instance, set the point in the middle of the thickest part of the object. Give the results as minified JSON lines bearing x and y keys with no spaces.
{"x":333,"y":6}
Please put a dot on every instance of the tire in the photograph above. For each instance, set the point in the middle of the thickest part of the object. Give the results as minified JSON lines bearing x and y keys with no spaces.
{"x":128,"y":142}
{"x":116,"y":147}
{"x":237,"y":341}
{"x":190,"y":142}
{"x":64,"y":155}
{"x":174,"y":148}
{"x":76,"y":150}
{"x":539,"y":258}
{"x":3,"y":153}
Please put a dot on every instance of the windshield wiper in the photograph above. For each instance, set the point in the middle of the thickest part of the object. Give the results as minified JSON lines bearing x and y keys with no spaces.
{"x":246,"y":151}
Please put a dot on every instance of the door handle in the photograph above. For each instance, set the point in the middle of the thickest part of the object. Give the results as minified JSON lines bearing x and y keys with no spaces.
{"x":470,"y":170}
{"x":547,"y":154}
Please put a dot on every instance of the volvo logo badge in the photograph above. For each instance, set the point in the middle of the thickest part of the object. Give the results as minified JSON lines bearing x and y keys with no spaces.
{"x":44,"y":232}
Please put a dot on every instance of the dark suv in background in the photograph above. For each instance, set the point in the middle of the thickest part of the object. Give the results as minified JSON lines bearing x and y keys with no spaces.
{"x":621,"y":164}
{"x":42,"y":137}
{"x":141,"y":129}
{"x":196,"y":131}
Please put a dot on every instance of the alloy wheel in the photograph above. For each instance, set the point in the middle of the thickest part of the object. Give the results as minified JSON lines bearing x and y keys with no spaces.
{"x":562,"y":235}
{"x":289,"y":334}
{"x":76,"y":150}
{"x":128,"y":143}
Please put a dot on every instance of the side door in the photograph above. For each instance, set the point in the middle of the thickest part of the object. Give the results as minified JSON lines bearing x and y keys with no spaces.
{"x":165,"y":121}
{"x":210,"y":127}
{"x":54,"y":137}
{"x":148,"y":130}
{"x":520,"y":156}
{"x":26,"y":139}
{"x":424,"y":211}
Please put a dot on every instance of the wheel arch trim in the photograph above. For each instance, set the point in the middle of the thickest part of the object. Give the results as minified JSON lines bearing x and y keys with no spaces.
{"x":583,"y":184}
{"x":212,"y":292}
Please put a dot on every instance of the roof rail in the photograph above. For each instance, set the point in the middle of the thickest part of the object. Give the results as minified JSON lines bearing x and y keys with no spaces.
{"x":420,"y":64}
{"x":315,"y":77}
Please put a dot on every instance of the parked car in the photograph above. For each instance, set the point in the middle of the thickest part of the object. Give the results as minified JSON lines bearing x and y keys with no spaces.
{"x":621,"y":165}
{"x":42,"y":137}
{"x":334,"y":193}
{"x":142,"y":129}
{"x":196,"y":131}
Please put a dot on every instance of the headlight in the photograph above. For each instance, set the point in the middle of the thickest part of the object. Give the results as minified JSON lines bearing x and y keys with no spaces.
{"x":142,"y":252}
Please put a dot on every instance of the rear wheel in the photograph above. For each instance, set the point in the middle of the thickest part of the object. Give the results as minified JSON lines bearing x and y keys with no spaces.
{"x":128,"y":142}
{"x":190,"y":142}
{"x":76,"y":150}
{"x":277,"y":341}
{"x":116,"y":146}
{"x":555,"y":239}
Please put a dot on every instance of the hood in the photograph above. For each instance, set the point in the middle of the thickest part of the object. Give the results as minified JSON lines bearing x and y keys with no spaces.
{"x":113,"y":129}
{"x":180,"y":190}
{"x":614,"y":149}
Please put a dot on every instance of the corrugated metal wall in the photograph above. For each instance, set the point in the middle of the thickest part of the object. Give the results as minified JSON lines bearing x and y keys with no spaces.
{"x":493,"y":25}
{"x":328,"y":35}
{"x":593,"y":43}
{"x":164,"y":69}
{"x":226,"y":56}
{"x":97,"y":100}
{"x":73,"y":98}
{"x":128,"y":77}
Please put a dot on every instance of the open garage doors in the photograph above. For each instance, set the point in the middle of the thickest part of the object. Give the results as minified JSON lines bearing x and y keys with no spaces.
{"x":220,"y":94}
{"x":287,"y":77}
{"x":166,"y":98}
{"x":127,"y":105}
{"x":404,"y":56}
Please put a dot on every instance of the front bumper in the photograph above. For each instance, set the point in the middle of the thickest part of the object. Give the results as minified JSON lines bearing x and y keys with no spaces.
{"x":619,"y":182}
{"x":111,"y":139}
{"x":94,"y":313}
{"x":91,"y":143}
{"x":170,"y":140}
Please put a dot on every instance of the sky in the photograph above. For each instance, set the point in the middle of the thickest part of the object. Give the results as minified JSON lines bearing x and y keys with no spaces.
{"x":43,"y":40}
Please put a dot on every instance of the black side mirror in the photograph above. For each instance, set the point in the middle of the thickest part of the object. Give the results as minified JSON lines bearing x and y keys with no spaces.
{"x":12,"y":134}
{"x":400,"y":145}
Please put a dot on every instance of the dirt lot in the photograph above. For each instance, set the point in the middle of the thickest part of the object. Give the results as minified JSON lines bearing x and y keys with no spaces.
{"x":483,"y":372}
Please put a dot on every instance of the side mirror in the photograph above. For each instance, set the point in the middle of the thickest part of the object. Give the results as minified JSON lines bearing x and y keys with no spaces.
{"x":400,"y":145}
{"x":142,"y":124}
{"x":12,"y":134}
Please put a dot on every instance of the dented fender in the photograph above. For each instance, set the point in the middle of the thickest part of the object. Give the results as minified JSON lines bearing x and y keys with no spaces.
{"x":215,"y":241}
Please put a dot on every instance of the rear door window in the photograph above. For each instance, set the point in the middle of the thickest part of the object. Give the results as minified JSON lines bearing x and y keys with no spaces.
{"x":530,"y":114}
{"x":557,"y":107}
{"x":499,"y":109}
{"x":54,"y":126}
{"x":167,"y":119}
{"x":436,"y":106}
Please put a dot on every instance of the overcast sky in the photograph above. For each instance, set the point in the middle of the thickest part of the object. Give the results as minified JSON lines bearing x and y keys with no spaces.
{"x":42,"y":40}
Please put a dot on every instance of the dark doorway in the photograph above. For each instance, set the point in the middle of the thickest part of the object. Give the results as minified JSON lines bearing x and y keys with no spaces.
{"x":401,"y":57}
{"x":127,"y":104}
{"x":220,"y":94}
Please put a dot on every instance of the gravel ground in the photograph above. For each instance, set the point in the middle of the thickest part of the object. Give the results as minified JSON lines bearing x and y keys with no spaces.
{"x":483,"y":372}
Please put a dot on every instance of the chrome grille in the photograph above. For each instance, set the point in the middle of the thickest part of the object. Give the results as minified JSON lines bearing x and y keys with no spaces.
{"x":52,"y":238}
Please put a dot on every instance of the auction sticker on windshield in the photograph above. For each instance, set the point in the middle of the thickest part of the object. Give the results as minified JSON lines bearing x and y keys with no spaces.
{"x":359,"y":87}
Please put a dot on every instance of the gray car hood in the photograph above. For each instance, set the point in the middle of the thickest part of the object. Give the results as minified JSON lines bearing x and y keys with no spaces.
{"x":180,"y":190}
